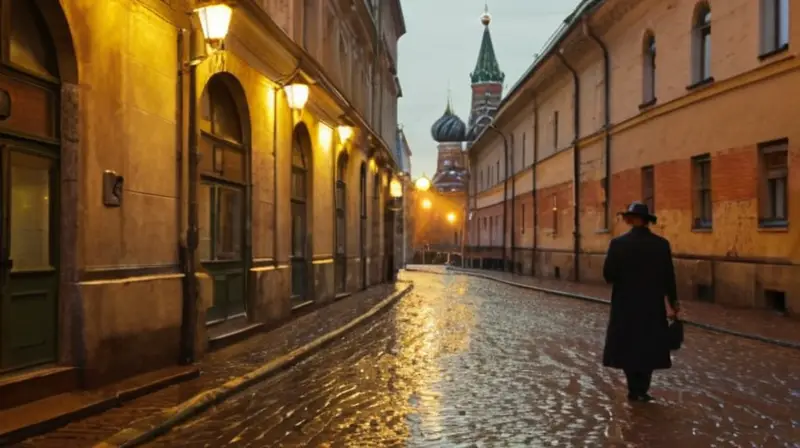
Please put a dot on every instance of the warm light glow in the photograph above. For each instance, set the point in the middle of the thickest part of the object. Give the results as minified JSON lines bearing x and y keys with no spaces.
{"x":325,"y":136}
{"x":215,"y":21}
{"x":395,"y":189}
{"x":451,"y":217}
{"x":423,"y":184}
{"x":297,"y":95}
{"x":345,"y":133}
{"x":372,"y":165}
{"x":426,"y":204}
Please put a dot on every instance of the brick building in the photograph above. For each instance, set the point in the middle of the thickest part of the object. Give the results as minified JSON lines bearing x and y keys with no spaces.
{"x":160,"y":197}
{"x":688,"y":105}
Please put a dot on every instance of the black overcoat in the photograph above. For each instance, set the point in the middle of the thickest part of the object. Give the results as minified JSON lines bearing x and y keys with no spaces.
{"x":639,"y":266}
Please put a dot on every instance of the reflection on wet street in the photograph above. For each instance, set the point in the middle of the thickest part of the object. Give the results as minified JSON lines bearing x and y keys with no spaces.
{"x":469,"y":362}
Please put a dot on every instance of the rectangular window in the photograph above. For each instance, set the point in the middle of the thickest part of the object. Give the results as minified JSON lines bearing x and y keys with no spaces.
{"x":555,"y":214}
{"x":523,"y":151}
{"x":649,"y":188}
{"x":555,"y":130}
{"x":773,"y":201}
{"x":701,"y":167}
{"x":491,"y":231}
{"x":511,"y":156}
{"x":523,"y":218}
{"x":481,"y":180}
{"x":774,"y":25}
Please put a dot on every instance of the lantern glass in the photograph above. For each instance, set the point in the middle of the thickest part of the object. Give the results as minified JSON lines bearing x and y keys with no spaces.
{"x":395,"y":189}
{"x":297,"y":95}
{"x":345,"y":133}
{"x":215,"y":21}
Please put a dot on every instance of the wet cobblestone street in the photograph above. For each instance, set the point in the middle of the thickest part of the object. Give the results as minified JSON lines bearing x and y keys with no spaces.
{"x":464,"y":361}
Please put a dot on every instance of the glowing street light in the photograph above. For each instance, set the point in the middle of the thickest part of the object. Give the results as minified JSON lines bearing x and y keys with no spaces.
{"x":297,"y":95}
{"x":427,"y":204}
{"x":451,"y":217}
{"x":422,"y":184}
{"x":395,"y":189}
{"x":215,"y":19}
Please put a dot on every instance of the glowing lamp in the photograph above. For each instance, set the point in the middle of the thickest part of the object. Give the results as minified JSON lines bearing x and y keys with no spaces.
{"x":345,"y":133}
{"x":395,"y":189}
{"x":451,"y":217}
{"x":426,"y":204}
{"x":215,"y":20}
{"x":296,"y":95}
{"x":422,"y":184}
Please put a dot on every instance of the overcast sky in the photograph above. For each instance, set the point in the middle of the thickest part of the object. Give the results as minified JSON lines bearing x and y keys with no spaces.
{"x":441,"y":46}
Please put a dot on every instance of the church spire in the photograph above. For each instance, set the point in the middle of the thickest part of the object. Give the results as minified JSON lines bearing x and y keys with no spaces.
{"x":449,"y":100}
{"x":487,"y":70}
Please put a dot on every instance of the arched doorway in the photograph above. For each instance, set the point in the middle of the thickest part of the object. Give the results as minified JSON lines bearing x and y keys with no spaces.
{"x":30,"y":147}
{"x":363,"y":227}
{"x":222,"y":201}
{"x":375,"y":268}
{"x":301,"y":208}
{"x":340,"y":261}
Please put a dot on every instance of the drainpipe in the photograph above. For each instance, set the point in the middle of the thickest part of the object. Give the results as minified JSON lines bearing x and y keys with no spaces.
{"x":189,"y":255}
{"x":505,"y":193}
{"x":576,"y":162}
{"x":533,"y":181}
{"x":513,"y":212}
{"x":606,"y":119}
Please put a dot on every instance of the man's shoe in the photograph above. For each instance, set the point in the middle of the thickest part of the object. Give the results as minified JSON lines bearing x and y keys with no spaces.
{"x":644,"y":398}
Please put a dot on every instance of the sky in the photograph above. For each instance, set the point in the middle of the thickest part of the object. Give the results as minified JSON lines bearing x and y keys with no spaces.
{"x":441,"y":46}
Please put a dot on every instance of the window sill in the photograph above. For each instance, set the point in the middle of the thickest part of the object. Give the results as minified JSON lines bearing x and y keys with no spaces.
{"x":705,"y":229}
{"x":602,"y":231}
{"x":771,"y":53}
{"x":647,"y":104}
{"x":702,"y":83}
{"x":773,"y":226}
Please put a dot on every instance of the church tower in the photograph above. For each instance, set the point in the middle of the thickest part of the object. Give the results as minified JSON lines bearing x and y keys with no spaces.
{"x":449,"y":131}
{"x":487,"y":83}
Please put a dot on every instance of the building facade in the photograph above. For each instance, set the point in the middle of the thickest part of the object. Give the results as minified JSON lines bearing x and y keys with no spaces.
{"x":159,"y":196}
{"x":441,"y":228}
{"x":686,"y":105}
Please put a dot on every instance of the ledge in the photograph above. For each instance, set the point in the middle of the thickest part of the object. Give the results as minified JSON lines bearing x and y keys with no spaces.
{"x":647,"y":104}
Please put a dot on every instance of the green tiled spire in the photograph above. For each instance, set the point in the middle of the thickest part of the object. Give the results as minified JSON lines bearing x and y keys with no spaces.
{"x":487,"y":69}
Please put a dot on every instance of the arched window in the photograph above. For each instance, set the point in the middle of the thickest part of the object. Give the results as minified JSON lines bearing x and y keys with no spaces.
{"x":702,"y":44}
{"x":31,"y":46}
{"x":376,"y":213}
{"x":774,"y":26}
{"x":649,"y":70}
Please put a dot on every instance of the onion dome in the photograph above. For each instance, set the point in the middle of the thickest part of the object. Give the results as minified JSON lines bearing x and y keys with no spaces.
{"x":449,"y":128}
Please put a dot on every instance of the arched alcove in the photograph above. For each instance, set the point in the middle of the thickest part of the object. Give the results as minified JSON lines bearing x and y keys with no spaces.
{"x":302,"y":211}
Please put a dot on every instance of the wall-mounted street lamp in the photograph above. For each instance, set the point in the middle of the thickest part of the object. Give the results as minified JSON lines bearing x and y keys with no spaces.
{"x":451,"y":217}
{"x":395,"y":189}
{"x":345,"y":133}
{"x":297,"y":95}
{"x":215,"y":19}
{"x":427,"y":204}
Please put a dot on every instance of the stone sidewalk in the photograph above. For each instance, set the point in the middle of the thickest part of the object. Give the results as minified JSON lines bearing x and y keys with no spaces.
{"x":219,"y":367}
{"x":762,"y":324}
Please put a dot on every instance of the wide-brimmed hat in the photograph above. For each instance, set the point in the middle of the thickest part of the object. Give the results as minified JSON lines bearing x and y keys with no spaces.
{"x":641,"y":210}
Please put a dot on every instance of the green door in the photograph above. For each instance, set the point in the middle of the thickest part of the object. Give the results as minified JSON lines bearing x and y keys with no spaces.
{"x":28,"y":254}
{"x":221,"y":243}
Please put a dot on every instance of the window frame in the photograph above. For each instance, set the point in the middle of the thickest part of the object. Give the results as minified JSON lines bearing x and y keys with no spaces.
{"x":649,"y":55}
{"x":702,"y":193}
{"x":766,"y":197}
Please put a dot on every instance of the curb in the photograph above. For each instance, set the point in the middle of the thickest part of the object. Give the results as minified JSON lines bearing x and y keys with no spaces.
{"x":715,"y":329}
{"x":149,"y":430}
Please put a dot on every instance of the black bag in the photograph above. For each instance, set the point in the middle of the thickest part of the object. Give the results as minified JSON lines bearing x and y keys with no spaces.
{"x":675,"y":334}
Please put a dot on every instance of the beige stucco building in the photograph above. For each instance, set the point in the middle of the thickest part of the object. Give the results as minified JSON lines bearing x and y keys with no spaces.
{"x":690,"y":106}
{"x":115,"y":199}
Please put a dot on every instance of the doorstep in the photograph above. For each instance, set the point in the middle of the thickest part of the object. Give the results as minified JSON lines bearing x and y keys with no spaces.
{"x":49,"y":413}
{"x":22,"y":387}
{"x":231,"y":331}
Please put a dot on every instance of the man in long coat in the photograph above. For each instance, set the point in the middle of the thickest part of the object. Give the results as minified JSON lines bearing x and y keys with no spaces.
{"x":639,"y":266}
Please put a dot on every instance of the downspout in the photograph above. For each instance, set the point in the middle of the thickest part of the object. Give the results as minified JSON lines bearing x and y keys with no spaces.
{"x":606,"y":120}
{"x":186,"y":348}
{"x":534,"y":193}
{"x":576,"y":170}
{"x":505,"y":194}
{"x":513,"y":213}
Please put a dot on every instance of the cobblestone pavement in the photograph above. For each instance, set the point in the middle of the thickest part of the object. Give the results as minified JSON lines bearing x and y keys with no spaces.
{"x":762,"y":323}
{"x":469,"y":362}
{"x":217,"y":368}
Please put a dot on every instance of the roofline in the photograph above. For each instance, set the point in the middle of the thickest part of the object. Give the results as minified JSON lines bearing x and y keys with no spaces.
{"x":584,"y":8}
{"x":400,"y":19}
